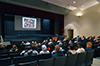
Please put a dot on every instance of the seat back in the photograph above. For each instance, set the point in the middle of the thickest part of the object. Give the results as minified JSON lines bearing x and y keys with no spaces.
{"x":44,"y":56}
{"x":33,"y":63}
{"x":60,"y":61}
{"x":32,"y":58}
{"x":5,"y":62}
{"x":71,"y":60}
{"x":4,"y":56}
{"x":81,"y":59}
{"x":19,"y":59}
{"x":89,"y":57}
{"x":46,"y":62}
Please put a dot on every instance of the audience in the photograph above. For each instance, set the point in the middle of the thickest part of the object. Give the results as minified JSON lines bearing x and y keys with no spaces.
{"x":28,"y":51}
{"x":58,"y":48}
{"x":57,"y":52}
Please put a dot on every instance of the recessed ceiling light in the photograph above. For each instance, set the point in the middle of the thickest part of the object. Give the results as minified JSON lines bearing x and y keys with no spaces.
{"x":74,"y":2}
{"x":82,"y":5}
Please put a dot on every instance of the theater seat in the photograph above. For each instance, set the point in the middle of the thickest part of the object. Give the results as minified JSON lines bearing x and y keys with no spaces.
{"x":44,"y":56}
{"x":71,"y":60}
{"x":19,"y":59}
{"x":81,"y":59}
{"x":60,"y":61}
{"x":33,"y":63}
{"x":5,"y":62}
{"x":4,"y":56}
{"x":89,"y":58}
{"x":46,"y":62}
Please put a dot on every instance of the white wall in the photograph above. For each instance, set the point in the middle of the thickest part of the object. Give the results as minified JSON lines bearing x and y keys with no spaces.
{"x":88,"y":24}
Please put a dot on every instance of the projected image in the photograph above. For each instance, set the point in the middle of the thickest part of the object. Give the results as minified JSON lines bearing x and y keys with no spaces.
{"x":29,"y":22}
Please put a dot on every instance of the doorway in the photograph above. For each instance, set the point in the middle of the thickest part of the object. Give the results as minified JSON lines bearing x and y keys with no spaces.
{"x":70,"y":33}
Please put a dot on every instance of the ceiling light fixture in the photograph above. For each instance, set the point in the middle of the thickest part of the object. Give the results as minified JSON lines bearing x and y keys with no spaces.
{"x":79,"y":14}
{"x":82,"y":5}
{"x":74,"y":2}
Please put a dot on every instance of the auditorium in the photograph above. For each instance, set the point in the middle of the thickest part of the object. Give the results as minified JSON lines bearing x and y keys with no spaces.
{"x":49,"y":33}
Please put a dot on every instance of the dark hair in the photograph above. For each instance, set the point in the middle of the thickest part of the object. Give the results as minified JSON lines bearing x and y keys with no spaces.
{"x":79,"y":43}
{"x":72,"y":47}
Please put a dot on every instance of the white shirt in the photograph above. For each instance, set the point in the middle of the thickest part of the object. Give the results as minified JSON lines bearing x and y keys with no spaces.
{"x":80,"y":50}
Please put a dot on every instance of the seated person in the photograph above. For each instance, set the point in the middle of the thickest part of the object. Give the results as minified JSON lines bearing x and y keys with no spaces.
{"x":44,"y":50}
{"x":71,"y":50}
{"x":27,"y":43}
{"x":3,"y":50}
{"x":88,"y":46}
{"x":22,"y":43}
{"x":65,"y":38}
{"x":80,"y":48}
{"x":50,"y":46}
{"x":14,"y":49}
{"x":29,"y":52}
{"x":34,"y":46}
{"x":57,"y":52}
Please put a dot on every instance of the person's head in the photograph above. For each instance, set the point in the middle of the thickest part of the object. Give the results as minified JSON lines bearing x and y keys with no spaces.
{"x":79,"y":44}
{"x":57,"y":48}
{"x":71,"y":47}
{"x":50,"y":40}
{"x":22,"y":42}
{"x":65,"y":37}
{"x":44,"y":47}
{"x":56,"y":34}
{"x":70,"y":41}
{"x":34,"y":45}
{"x":97,"y":40}
{"x":88,"y":44}
{"x":2,"y":47}
{"x":14,"y":46}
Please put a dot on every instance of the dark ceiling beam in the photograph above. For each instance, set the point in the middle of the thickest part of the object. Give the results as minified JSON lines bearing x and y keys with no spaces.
{"x":41,"y":5}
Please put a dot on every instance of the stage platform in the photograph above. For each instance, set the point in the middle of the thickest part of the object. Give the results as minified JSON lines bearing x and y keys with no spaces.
{"x":31,"y":37}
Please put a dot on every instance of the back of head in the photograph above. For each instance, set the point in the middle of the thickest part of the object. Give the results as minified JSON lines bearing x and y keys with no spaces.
{"x":72,"y":47}
{"x":89,"y":43}
{"x":57,"y":48}
{"x":79,"y":44}
{"x":14,"y":46}
{"x":44,"y":47}
{"x":2,"y":47}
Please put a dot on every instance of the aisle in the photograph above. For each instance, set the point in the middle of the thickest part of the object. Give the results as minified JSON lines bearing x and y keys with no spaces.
{"x":96,"y":62}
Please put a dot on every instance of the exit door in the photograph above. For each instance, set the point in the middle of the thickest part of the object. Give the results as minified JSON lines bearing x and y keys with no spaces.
{"x":70,"y":33}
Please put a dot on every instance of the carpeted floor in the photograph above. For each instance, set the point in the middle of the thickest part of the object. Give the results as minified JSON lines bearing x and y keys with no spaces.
{"x":96,"y":61}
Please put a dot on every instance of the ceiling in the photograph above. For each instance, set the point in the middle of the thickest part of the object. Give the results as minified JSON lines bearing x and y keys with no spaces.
{"x":73,"y":4}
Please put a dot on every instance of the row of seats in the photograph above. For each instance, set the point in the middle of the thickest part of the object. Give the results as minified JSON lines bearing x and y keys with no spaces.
{"x":82,"y":59}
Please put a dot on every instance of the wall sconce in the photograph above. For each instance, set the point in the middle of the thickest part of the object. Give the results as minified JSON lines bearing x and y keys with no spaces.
{"x":79,"y":14}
